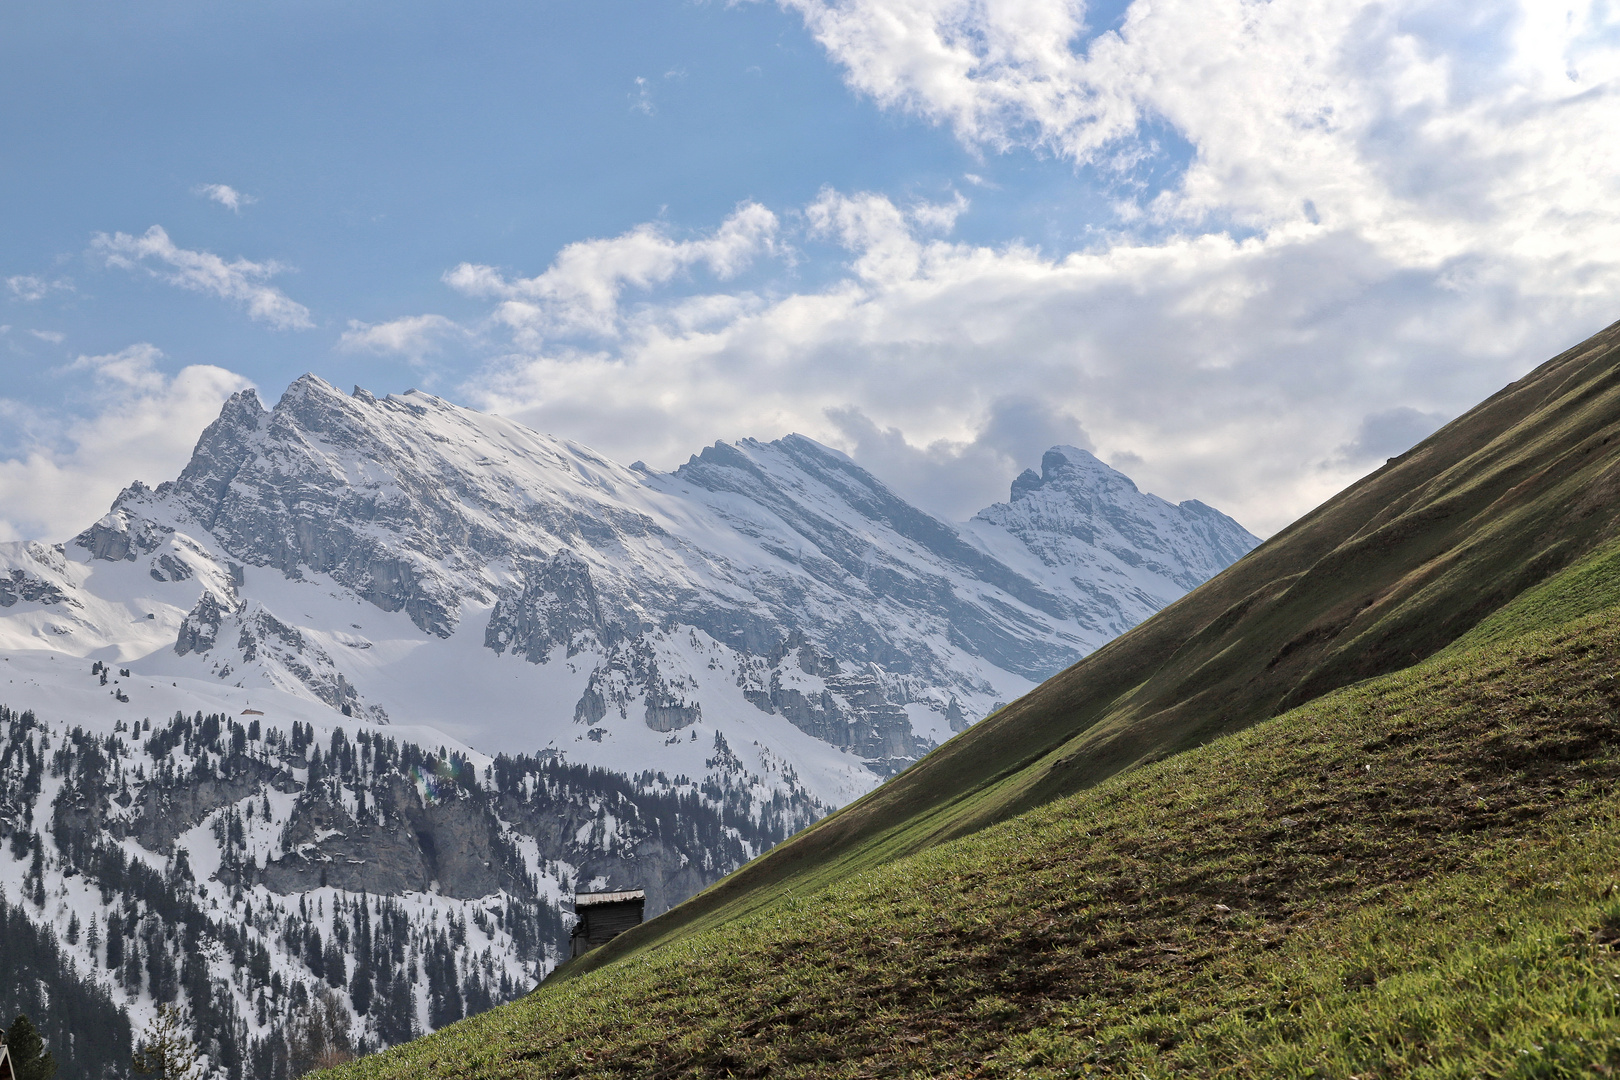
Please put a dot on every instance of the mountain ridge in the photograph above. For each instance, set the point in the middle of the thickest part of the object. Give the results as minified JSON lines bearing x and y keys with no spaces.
{"x":416,"y":506}
{"x":348,"y":709}
{"x":1387,"y":572}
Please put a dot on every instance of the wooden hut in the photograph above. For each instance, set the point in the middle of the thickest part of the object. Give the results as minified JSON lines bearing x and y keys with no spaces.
{"x":603,"y":916}
{"x":5,"y":1060}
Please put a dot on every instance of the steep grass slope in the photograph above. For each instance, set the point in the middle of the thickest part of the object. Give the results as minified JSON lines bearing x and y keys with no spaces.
{"x":1400,"y":859}
{"x":1413,"y":876}
{"x":1387,"y":573}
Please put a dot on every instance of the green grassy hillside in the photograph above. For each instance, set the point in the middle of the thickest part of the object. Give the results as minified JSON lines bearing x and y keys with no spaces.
{"x":1349,"y":807}
{"x":1389,"y":572}
{"x":1414,"y":876}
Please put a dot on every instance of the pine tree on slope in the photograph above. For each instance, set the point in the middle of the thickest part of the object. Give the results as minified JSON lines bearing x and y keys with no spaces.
{"x":29,"y":1058}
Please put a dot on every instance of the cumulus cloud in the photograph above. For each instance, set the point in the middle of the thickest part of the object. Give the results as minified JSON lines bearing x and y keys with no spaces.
{"x":1234,"y":371}
{"x":580,"y":291}
{"x":958,"y":477}
{"x":995,"y":72}
{"x":225,"y":195}
{"x":413,"y":337}
{"x":240,"y":280}
{"x":1390,"y":432}
{"x":884,"y":235}
{"x":136,"y":422}
{"x":31,"y":288}
{"x":1435,"y":110}
{"x":132,"y":369}
{"x":1385,"y":213}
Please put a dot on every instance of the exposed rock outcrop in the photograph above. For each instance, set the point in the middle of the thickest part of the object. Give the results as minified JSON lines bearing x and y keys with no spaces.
{"x":200,"y":630}
{"x":556,"y":607}
{"x":780,"y":575}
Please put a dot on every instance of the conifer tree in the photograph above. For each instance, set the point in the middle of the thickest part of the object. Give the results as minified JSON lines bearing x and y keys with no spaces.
{"x":397,"y":1019}
{"x":115,"y":941}
{"x":132,"y":967}
{"x":165,"y":1050}
{"x":29,"y":1058}
{"x":36,"y":875}
{"x":360,"y":989}
{"x":332,"y":960}
{"x":319,"y":1038}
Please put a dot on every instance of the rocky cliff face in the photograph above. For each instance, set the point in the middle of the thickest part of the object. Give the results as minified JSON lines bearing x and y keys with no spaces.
{"x":553,"y":606}
{"x":35,"y":577}
{"x":240,"y":865}
{"x":631,"y":596}
{"x":423,"y":667}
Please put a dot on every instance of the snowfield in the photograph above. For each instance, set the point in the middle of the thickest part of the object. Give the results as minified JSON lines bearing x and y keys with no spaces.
{"x":344,"y":558}
{"x":355,"y":703}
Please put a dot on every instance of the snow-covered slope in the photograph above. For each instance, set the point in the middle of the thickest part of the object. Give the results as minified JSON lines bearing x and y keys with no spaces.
{"x":634,"y":678}
{"x":403,"y":559}
{"x":247,"y":871}
{"x":1084,"y":531}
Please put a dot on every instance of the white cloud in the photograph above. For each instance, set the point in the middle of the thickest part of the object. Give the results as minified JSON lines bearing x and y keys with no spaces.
{"x":202,"y":271}
{"x":225,"y":195}
{"x":641,"y":99}
{"x":413,"y":337}
{"x":31,"y":288}
{"x":879,"y":230}
{"x":55,"y":337}
{"x":998,"y":73}
{"x":132,"y":369}
{"x":1238,"y":372}
{"x":139,"y":423}
{"x":579,"y":292}
{"x":26,"y":287}
{"x":1412,"y":120}
{"x":1388,"y":212}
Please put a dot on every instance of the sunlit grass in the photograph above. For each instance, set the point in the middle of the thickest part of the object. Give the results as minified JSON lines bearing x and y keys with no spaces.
{"x":1410,"y":877}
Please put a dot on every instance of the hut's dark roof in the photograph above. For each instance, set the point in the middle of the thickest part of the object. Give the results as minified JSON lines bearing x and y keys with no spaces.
{"x":591,"y":899}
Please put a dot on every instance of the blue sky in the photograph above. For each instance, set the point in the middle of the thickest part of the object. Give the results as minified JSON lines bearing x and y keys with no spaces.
{"x":383,"y":144}
{"x":1242,"y":250}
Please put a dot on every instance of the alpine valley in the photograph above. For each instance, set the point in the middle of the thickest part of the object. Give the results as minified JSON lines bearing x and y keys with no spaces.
{"x":331,"y":726}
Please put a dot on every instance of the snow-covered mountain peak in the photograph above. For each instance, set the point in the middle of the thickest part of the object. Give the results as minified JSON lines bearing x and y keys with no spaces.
{"x":584,"y":597}
{"x":1083,"y":526}
{"x":1073,"y":470}
{"x":590,"y":676}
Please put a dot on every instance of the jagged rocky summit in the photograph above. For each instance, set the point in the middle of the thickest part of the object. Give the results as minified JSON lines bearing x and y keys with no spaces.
{"x":405,"y":559}
{"x":389,"y":661}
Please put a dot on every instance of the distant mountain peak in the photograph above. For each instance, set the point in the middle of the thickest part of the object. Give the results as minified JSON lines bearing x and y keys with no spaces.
{"x":1080,"y":514}
{"x":759,"y":636}
{"x":311,"y":382}
{"x":1070,"y":476}
{"x":1069,"y":467}
{"x":479,"y":530}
